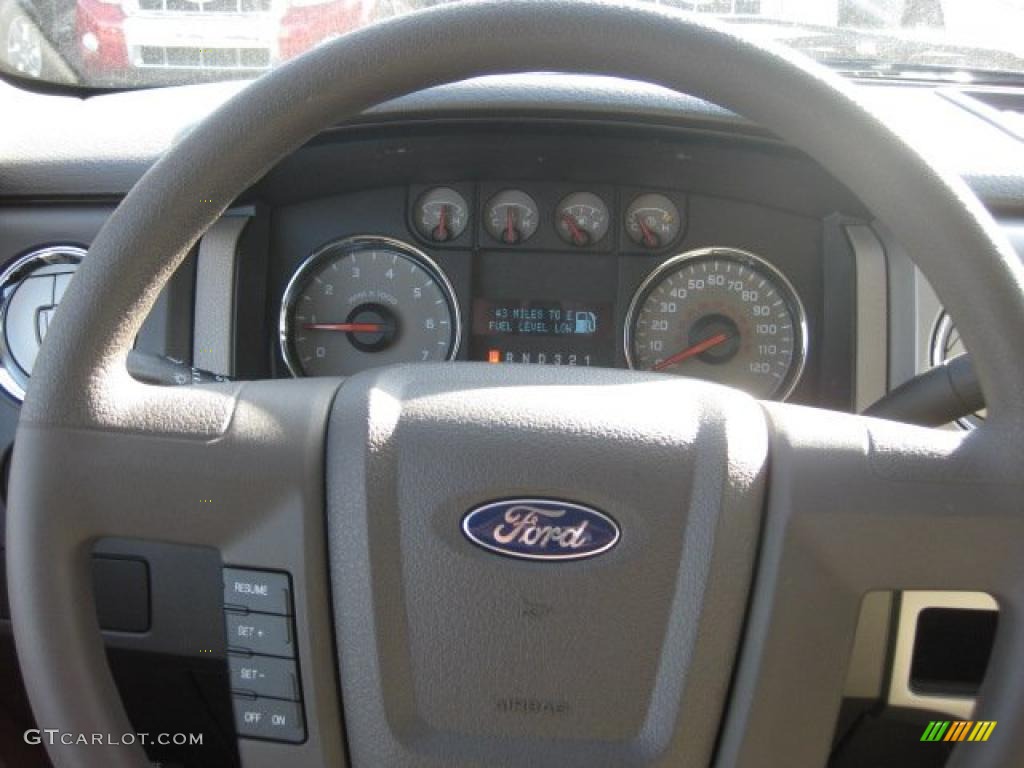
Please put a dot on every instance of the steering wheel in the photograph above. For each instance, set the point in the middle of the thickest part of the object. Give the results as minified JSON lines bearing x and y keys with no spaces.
{"x":716,"y":629}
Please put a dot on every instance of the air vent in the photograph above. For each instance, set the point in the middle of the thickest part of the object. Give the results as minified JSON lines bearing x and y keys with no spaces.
{"x":31,"y":287}
{"x":942,"y":647}
{"x":1003,"y":109}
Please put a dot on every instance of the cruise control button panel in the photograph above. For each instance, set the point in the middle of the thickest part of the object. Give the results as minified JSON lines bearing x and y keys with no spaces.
{"x":264,"y":666}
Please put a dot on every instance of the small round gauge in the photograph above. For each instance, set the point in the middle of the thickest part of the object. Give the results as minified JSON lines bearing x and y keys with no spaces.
{"x":511,"y":217}
{"x":441,"y":214}
{"x":653,"y":221}
{"x":365,"y":302}
{"x":719,"y":314}
{"x":947,"y":344}
{"x":581,"y":219}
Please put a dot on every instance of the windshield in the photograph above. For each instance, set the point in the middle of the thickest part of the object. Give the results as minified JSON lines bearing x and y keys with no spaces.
{"x":137,"y":43}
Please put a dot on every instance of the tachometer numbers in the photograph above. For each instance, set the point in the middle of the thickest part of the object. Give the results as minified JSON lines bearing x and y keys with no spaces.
{"x":365,"y":302}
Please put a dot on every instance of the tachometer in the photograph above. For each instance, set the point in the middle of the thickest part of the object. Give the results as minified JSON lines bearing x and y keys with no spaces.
{"x":719,"y":314}
{"x":364,"y":302}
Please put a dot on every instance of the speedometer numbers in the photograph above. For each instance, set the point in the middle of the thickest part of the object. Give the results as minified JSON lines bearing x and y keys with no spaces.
{"x":723,"y":315}
{"x":365,"y":302}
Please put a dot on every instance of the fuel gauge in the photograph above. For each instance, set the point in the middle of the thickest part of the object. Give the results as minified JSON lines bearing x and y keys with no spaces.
{"x":441,"y":214}
{"x":581,"y":219}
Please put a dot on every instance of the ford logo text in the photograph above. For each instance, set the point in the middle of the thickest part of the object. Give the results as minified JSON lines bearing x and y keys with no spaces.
{"x":540,"y":529}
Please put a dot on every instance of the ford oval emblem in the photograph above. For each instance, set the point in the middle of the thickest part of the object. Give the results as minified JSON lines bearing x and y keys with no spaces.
{"x":540,"y":529}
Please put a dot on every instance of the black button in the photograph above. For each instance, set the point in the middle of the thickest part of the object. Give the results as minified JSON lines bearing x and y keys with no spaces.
{"x":264,"y":676}
{"x":263,"y":591}
{"x":121,"y":587}
{"x":260,"y":633}
{"x":269,"y":719}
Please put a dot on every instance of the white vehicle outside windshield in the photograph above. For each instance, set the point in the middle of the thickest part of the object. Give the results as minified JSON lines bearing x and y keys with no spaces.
{"x":135,"y":43}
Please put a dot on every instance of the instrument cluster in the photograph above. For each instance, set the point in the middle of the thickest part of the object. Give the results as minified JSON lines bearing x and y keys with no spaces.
{"x":548,"y":274}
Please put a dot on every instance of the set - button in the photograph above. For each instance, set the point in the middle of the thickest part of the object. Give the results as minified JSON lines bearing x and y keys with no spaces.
{"x":262,"y":658}
{"x":264,"y":676}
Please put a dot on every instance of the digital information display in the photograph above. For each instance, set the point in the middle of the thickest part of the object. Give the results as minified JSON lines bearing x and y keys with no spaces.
{"x":543,"y":332}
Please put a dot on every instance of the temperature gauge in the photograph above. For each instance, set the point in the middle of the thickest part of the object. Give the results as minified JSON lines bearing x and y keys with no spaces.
{"x":511,"y":217}
{"x":441,"y":214}
{"x":581,"y":219}
{"x":653,"y":221}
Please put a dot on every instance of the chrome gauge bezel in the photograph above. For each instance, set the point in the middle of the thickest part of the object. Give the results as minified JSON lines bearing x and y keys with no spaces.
{"x":944,"y":326}
{"x":741,"y":256}
{"x":342,"y":247}
{"x":13,"y":380}
{"x":668,"y":204}
{"x":455,"y":197}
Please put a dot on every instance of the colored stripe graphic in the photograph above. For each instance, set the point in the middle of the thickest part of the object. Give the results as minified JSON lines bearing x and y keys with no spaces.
{"x":959,"y":726}
{"x":986,"y":731}
{"x":958,"y":730}
{"x":935,"y":730}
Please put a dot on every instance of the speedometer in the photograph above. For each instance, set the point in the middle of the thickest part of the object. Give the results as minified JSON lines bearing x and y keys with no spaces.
{"x":719,"y":314}
{"x":365,"y":302}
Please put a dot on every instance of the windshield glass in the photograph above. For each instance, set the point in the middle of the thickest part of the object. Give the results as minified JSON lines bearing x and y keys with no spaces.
{"x":135,"y":43}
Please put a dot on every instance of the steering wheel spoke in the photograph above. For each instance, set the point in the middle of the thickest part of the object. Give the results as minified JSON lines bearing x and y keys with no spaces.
{"x":885,"y":501}
{"x":857,"y":505}
{"x":254,"y":492}
{"x":203,"y":489}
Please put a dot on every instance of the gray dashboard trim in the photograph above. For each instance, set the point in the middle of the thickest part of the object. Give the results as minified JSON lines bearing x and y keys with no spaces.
{"x":213,"y":337}
{"x":119,"y":135}
{"x":865,"y":676}
{"x":871,"y":317}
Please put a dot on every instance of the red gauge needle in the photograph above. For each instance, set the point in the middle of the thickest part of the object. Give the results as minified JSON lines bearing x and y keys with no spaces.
{"x":510,"y":226}
{"x":346,"y":327}
{"x":441,"y":230}
{"x":696,"y":349}
{"x":650,"y":239}
{"x":579,"y":237}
